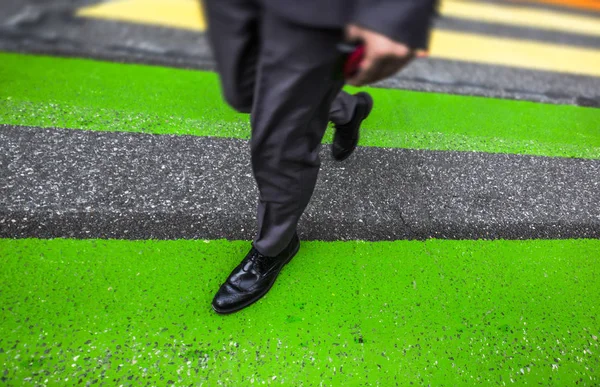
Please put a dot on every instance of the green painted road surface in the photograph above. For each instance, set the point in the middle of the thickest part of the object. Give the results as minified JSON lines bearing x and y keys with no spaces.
{"x":84,"y":94}
{"x":435,"y":312}
{"x":439,"y":313}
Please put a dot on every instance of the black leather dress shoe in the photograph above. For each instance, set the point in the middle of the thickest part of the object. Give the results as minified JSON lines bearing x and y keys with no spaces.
{"x":252,"y":278}
{"x":346,"y":136}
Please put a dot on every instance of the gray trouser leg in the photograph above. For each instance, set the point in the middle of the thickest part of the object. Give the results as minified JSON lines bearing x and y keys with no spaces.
{"x":295,"y":89}
{"x":342,"y":108}
{"x":290,"y":86}
{"x":233,"y":35}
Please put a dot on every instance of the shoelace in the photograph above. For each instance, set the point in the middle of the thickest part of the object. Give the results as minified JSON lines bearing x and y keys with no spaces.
{"x":257,"y":260}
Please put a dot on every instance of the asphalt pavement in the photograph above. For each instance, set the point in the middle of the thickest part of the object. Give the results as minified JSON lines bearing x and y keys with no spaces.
{"x":80,"y":184}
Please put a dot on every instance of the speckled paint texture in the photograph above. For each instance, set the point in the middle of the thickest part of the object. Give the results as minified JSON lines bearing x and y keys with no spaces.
{"x":440,"y":313}
{"x":85,"y":94}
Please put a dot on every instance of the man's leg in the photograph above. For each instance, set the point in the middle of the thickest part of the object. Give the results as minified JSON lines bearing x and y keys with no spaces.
{"x":295,"y":89}
{"x":342,"y":108}
{"x":347,"y":113}
{"x":233,"y":35}
{"x":293,"y":94}
{"x":234,"y":39}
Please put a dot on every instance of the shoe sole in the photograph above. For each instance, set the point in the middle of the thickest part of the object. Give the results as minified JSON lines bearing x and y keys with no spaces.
{"x":369,"y":108}
{"x":230,"y":311}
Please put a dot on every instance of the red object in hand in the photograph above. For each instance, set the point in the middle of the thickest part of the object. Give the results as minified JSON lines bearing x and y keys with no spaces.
{"x":354,"y":53}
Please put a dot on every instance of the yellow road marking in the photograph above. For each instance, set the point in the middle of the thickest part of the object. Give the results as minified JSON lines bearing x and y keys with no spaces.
{"x":183,"y":14}
{"x":521,"y":16}
{"x":582,"y":4}
{"x":516,"y":53}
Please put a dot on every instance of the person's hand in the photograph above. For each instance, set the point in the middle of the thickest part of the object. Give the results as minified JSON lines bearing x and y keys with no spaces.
{"x":383,"y":56}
